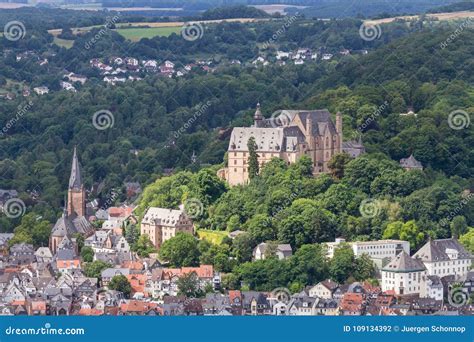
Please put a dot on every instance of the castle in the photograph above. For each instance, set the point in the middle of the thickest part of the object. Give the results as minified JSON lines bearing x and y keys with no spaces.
{"x":291,"y":135}
{"x":73,"y":220}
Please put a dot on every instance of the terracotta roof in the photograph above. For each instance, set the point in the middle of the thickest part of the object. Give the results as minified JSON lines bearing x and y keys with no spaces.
{"x":352,"y":302}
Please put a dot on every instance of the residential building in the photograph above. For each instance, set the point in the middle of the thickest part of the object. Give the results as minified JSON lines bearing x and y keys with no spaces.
{"x":445,"y":257}
{"x":404,"y":275}
{"x":324,"y":289}
{"x":281,"y":251}
{"x":411,"y":163}
{"x":161,"y":224}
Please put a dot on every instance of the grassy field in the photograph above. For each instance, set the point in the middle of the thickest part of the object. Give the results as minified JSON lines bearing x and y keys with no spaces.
{"x":213,"y":236}
{"x":63,"y":42}
{"x":135,"y":34}
{"x":168,"y":25}
{"x":439,"y":16}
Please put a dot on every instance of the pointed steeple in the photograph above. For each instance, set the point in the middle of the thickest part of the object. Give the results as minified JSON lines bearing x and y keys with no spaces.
{"x":75,"y":180}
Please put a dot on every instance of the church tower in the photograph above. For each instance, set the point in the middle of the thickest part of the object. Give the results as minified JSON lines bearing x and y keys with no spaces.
{"x":76,"y":194}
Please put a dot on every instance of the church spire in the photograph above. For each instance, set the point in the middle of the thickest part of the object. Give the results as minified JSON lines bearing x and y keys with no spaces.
{"x":75,"y":180}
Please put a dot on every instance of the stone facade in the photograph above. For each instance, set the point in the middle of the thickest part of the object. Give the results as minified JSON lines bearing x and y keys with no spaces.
{"x":288,"y":136}
{"x":161,"y":224}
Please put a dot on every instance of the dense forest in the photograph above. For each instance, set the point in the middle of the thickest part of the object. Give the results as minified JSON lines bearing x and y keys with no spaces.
{"x":407,"y":68}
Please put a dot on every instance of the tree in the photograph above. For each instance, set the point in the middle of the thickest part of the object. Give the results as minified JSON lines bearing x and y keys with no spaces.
{"x":261,"y":228}
{"x":144,"y":246}
{"x":120,"y":283}
{"x":95,"y":268}
{"x":131,"y":233}
{"x":32,"y":229}
{"x":87,"y":254}
{"x":188,"y":285}
{"x":408,"y":231}
{"x":181,"y":250}
{"x":364,"y":268}
{"x":338,"y":163}
{"x":79,"y":241}
{"x":458,"y":226}
{"x":308,"y":265}
{"x":342,"y":263}
{"x":243,"y":247}
{"x":253,"y":158}
{"x":467,"y":240}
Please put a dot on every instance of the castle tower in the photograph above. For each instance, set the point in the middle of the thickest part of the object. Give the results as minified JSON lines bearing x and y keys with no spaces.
{"x":258,"y":117}
{"x":76,"y":195}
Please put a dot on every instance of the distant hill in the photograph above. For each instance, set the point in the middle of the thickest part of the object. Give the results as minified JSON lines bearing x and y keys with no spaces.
{"x":312,"y":8}
{"x":459,"y":6}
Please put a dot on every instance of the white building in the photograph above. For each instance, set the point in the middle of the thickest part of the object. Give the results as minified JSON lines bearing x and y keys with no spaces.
{"x":445,"y":257}
{"x":404,"y":275}
{"x":434,"y":287}
{"x":379,"y":249}
{"x":282,"y":251}
{"x":324,"y":289}
{"x":282,"y":55}
{"x":41,"y":90}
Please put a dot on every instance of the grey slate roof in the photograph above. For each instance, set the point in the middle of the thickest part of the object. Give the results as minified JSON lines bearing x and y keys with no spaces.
{"x":411,"y":162}
{"x":435,"y":250}
{"x":75,"y":180}
{"x":274,"y":135}
{"x":404,"y":263}
{"x":71,"y":224}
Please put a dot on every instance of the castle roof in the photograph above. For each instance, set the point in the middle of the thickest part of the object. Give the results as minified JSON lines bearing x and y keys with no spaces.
{"x":280,"y":133}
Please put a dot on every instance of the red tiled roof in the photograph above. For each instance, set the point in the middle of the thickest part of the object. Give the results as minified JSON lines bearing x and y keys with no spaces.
{"x":120,"y":211}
